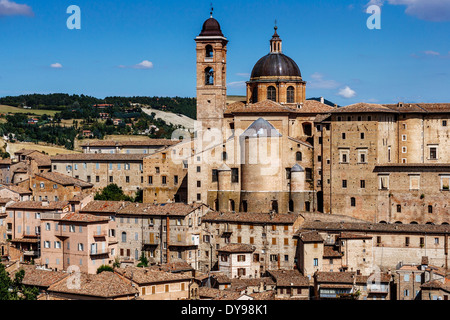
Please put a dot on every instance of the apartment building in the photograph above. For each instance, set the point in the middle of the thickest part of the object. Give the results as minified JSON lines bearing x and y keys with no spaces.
{"x":57,"y":187}
{"x":270,"y":234}
{"x":75,"y":240}
{"x":147,"y":146}
{"x":100,"y":169}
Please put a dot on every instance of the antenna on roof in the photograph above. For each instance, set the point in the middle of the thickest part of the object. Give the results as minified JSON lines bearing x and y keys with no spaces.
{"x":212,"y":10}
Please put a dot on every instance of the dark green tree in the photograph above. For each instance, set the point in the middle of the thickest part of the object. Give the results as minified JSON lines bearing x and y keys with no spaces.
{"x":14,"y":289}
{"x":112,"y":192}
{"x":104,"y":267}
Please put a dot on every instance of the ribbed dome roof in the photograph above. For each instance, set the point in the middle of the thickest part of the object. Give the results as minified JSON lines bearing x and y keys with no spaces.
{"x":211,"y":27}
{"x":275,"y":65}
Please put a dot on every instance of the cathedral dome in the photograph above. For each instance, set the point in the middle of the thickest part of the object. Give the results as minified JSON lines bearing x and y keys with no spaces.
{"x":211,"y":27}
{"x":275,"y":65}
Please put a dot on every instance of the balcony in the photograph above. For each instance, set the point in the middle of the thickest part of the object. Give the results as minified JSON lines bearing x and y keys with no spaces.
{"x":31,"y":253}
{"x":102,"y":234}
{"x":98,"y":252}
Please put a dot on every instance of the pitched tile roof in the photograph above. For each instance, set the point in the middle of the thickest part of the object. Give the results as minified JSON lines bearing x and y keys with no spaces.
{"x":335,"y":277}
{"x":17,"y":189}
{"x":83,"y":217}
{"x":375,"y":227}
{"x":363,"y":107}
{"x":163,"y":209}
{"x":269,"y":106}
{"x":38,"y":205}
{"x":310,"y":236}
{"x":144,"y":276}
{"x":64,"y":180}
{"x":39,"y":277}
{"x":98,"y":157}
{"x":100,"y":206}
{"x":289,"y":278}
{"x":216,"y":294}
{"x":131,"y":143}
{"x":103,"y":285}
{"x":247,"y":217}
{"x":237,"y":248}
{"x":330,"y":252}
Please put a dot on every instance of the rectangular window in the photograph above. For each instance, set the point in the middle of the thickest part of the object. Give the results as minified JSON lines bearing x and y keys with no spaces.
{"x":150,"y":179}
{"x":344,"y":156}
{"x":214,"y":175}
{"x":383,"y":182}
{"x":344,"y":184}
{"x":362,"y":184}
{"x":316,"y":262}
{"x":235,"y":175}
{"x":445,"y":183}
{"x":414,"y":182}
{"x":433,"y":153}
{"x":164,"y":180}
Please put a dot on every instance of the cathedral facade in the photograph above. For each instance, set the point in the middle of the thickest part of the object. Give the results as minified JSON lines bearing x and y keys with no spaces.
{"x":277,"y":152}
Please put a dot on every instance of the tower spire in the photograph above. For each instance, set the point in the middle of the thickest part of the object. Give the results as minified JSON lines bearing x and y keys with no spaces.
{"x":275,"y":42}
{"x":212,"y":10}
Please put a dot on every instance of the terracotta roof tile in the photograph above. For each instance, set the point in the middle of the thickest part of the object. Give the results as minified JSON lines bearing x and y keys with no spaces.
{"x":38,"y":205}
{"x":335,"y":277}
{"x":82,"y":217}
{"x":103,"y":285}
{"x":237,"y":248}
{"x":248,"y":217}
{"x":363,"y":107}
{"x":131,"y":143}
{"x":100,"y":206}
{"x":148,"y":275}
{"x":98,"y":157}
{"x":289,"y":278}
{"x":39,"y":277}
{"x":64,"y":180}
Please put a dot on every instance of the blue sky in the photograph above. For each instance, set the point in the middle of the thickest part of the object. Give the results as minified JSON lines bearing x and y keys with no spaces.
{"x":147,"y":48}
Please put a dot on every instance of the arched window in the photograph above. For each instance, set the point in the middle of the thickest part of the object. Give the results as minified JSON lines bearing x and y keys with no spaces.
{"x":275,"y":206}
{"x":209,"y":51}
{"x":290,"y":95}
{"x":272,"y":93}
{"x":430,"y":209}
{"x":224,"y":156}
{"x":298,"y":156}
{"x":244,"y":206}
{"x":209,"y":76}
{"x":353,"y":202}
{"x":124,"y":237}
{"x":399,"y":208}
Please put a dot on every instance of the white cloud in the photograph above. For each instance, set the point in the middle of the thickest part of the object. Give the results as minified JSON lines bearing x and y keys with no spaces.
{"x":430,"y":10}
{"x":56,"y":65}
{"x":431,"y":53}
{"x":143,"y":65}
{"x":318,"y":81}
{"x":347,"y":92}
{"x":237,"y":84}
{"x":10,"y":8}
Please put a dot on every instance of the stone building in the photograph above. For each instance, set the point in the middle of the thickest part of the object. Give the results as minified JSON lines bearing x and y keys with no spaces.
{"x":147,"y":146}
{"x":270,"y":234}
{"x":369,"y":247}
{"x":164,"y":233}
{"x":386,"y":163}
{"x":235,"y":260}
{"x":101,"y":169}
{"x":57,"y":187}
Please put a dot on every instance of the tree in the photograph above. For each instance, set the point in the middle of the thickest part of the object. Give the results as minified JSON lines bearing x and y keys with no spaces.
{"x":112,"y":192}
{"x":104,"y":267}
{"x":14,"y":289}
{"x":143,"y":261}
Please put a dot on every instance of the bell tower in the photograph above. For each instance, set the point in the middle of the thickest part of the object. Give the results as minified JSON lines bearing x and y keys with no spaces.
{"x":211,"y":75}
